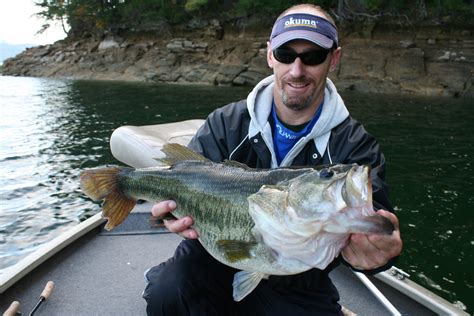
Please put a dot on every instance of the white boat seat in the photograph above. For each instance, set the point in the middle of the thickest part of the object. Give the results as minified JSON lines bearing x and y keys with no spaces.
{"x":138,"y":146}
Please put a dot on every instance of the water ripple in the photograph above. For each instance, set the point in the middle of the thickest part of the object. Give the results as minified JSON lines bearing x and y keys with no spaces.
{"x":52,"y":129}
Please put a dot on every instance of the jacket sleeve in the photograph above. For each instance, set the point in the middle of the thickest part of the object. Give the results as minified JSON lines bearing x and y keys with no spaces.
{"x":208,"y":140}
{"x":221,"y":132}
{"x":351,"y":143}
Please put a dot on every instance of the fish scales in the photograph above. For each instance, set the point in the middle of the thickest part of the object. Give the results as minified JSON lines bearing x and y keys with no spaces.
{"x":265,"y":222}
{"x":215,"y":195}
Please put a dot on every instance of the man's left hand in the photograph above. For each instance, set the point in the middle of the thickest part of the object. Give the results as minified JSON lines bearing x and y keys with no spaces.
{"x":370,"y":251}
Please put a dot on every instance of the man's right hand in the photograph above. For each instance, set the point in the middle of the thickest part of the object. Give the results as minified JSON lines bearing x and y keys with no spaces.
{"x":179,"y":226}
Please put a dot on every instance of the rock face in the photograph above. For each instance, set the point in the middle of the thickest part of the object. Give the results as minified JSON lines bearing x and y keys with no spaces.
{"x":425,"y":62}
{"x":422,"y":60}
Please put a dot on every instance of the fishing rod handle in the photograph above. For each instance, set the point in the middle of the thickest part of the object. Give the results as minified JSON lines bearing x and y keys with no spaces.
{"x":13,"y":309}
{"x":47,"y":290}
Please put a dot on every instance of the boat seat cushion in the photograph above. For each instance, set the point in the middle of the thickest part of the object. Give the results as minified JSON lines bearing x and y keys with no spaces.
{"x":139,"y":146}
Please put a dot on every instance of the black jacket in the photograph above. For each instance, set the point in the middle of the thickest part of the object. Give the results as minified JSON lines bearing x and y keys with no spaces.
{"x":226,"y":135}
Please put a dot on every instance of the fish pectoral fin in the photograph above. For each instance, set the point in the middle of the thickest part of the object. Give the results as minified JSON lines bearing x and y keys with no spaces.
{"x":245,"y":282}
{"x":236,"y":250}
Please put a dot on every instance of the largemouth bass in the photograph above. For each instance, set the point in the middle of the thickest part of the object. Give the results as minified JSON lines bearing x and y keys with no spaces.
{"x":264,"y":222}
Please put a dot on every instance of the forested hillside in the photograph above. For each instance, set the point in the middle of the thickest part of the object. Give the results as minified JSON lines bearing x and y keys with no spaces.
{"x":95,"y":17}
{"x":388,"y":46}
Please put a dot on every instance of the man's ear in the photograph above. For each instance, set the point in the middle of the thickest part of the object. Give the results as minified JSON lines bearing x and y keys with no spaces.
{"x":269,"y":55}
{"x":335,"y":59}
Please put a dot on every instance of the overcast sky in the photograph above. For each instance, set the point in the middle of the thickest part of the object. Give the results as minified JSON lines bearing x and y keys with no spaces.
{"x":18,"y":25}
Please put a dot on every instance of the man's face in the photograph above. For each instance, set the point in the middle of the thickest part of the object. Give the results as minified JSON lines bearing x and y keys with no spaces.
{"x":299,"y":86}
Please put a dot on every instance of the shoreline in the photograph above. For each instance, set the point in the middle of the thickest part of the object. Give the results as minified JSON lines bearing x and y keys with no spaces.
{"x":379,"y":58}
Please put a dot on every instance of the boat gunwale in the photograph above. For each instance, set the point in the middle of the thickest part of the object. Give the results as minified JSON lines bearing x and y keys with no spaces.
{"x":418,"y":293}
{"x":14,"y":273}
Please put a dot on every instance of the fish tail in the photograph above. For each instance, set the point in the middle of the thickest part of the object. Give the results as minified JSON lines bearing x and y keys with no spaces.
{"x":104,"y":184}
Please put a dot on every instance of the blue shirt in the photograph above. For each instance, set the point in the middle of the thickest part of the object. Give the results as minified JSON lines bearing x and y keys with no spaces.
{"x":285,"y":138}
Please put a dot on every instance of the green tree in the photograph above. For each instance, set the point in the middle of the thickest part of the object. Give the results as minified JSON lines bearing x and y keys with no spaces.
{"x":53,"y":10}
{"x":95,"y":17}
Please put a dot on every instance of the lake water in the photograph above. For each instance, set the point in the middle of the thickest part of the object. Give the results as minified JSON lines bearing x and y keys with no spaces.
{"x":51,"y":129}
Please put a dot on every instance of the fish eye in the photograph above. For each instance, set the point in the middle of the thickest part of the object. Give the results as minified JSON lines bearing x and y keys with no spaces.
{"x":326,"y":173}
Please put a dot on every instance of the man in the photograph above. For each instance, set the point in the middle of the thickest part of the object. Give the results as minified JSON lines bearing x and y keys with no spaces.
{"x":295,"y":117}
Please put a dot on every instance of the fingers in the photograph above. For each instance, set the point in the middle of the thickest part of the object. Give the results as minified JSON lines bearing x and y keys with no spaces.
{"x":358,"y":252}
{"x":179,"y":226}
{"x":189,"y":234}
{"x":160,"y":209}
{"x":365,"y":255}
{"x":370,"y":251}
{"x":362,"y":254}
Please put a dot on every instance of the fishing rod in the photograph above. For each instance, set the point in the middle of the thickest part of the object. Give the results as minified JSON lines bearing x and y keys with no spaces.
{"x":48,"y":289}
{"x":14,"y":308}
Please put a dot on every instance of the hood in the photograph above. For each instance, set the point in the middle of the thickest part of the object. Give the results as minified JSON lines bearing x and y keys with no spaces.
{"x":259,"y":103}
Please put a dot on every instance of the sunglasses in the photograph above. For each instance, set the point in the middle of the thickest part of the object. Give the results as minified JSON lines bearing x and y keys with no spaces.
{"x":310,"y":58}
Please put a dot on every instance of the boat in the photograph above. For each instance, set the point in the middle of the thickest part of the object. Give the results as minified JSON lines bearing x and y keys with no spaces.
{"x":99,"y":272}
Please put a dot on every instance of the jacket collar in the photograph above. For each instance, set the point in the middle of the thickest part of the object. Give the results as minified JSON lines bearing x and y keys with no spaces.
{"x":259,"y":103}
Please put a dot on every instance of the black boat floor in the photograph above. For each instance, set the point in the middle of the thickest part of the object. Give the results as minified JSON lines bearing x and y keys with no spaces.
{"x":102,"y":274}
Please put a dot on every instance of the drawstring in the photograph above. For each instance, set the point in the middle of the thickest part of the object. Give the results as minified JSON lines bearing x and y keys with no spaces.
{"x":329,"y":154}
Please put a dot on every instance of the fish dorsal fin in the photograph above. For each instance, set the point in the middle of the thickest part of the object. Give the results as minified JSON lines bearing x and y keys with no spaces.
{"x":233,"y":163}
{"x":245,"y":282}
{"x":236,"y":250}
{"x":175,"y":153}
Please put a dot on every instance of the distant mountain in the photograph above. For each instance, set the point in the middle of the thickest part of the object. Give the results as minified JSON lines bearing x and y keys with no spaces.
{"x":9,"y":50}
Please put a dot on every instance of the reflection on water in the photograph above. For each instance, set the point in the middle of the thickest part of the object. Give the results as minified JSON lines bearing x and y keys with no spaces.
{"x":429,"y":150}
{"x":39,"y":164}
{"x":52,"y":129}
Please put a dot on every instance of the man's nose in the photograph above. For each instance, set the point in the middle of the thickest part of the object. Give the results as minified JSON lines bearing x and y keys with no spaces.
{"x":297,"y":68}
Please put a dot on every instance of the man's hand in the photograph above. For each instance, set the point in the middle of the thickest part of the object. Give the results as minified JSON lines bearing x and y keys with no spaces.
{"x":366,"y":252}
{"x":180,"y":226}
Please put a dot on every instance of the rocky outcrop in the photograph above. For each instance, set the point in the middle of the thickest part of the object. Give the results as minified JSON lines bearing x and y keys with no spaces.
{"x":417,"y":61}
{"x":421,"y":60}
